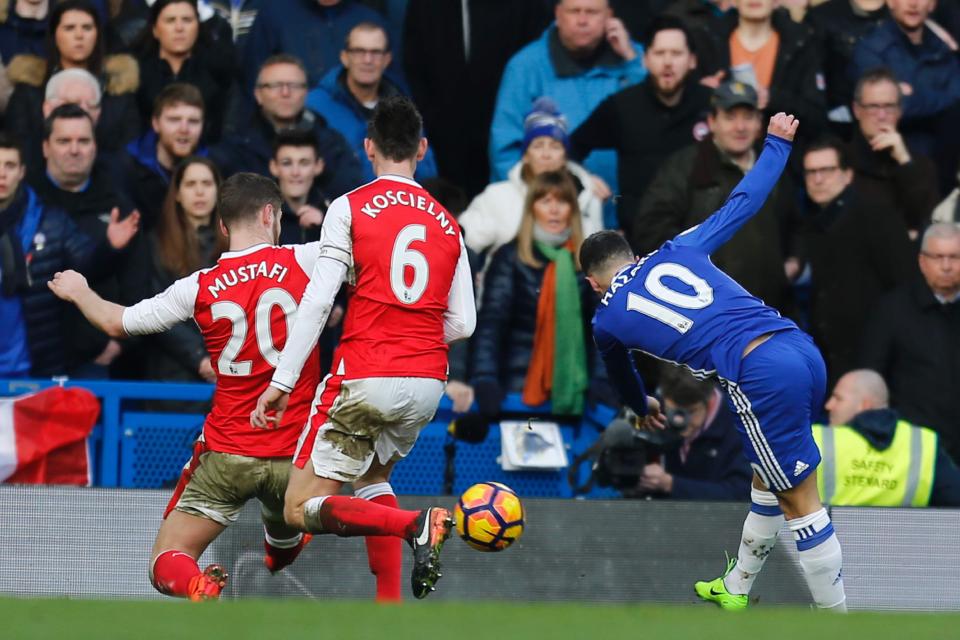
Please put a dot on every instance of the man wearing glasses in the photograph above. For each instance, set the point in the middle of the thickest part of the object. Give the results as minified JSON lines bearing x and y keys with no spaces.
{"x":349,"y":92}
{"x":885,"y":165}
{"x":852,"y":250}
{"x":913,"y":338}
{"x":280,"y":105}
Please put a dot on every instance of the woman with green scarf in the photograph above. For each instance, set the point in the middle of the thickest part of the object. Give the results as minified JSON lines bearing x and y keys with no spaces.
{"x":533,"y":326}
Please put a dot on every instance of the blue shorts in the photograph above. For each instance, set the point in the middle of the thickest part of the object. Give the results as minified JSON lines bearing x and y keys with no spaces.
{"x":778,"y":393}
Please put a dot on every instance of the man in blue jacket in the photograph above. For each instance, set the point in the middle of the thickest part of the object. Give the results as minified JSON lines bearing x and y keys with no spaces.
{"x":349,"y":92}
{"x":312,"y":30}
{"x":585,"y":56}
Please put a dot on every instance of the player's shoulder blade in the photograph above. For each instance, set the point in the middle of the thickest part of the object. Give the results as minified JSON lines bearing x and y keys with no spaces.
{"x":401,"y":201}
{"x":237,"y":273}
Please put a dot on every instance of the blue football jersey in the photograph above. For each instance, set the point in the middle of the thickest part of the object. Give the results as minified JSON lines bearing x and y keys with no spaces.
{"x":675,"y":305}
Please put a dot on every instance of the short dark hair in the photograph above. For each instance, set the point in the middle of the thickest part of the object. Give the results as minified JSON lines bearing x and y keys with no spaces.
{"x":296,"y":138}
{"x":160,"y":5}
{"x":873,"y":76}
{"x":282,"y":58}
{"x":667,"y":23}
{"x":682,"y":388}
{"x":243,"y":195}
{"x":396,"y":128}
{"x":367,"y":26}
{"x":8,"y":141}
{"x":177,"y":93}
{"x":830,"y":142}
{"x":602,"y":248}
{"x":67,"y":111}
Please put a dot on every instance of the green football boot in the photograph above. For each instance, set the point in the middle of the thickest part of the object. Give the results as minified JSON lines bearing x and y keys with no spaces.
{"x":715,"y":591}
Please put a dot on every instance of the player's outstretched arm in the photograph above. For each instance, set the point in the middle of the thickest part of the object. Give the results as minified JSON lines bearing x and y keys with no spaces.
{"x":748,"y":197}
{"x":104,"y":315}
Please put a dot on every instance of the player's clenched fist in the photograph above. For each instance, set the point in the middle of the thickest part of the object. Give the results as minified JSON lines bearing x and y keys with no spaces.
{"x":68,"y":285}
{"x":784,"y":126}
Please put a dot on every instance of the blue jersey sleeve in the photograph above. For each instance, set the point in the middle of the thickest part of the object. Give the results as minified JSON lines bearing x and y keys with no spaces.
{"x":621,"y":370}
{"x":744,"y":201}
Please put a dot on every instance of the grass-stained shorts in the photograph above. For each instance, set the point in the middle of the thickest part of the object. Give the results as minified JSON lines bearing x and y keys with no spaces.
{"x":216,"y":485}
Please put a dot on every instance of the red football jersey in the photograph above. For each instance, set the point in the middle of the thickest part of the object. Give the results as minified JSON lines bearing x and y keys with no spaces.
{"x":405,"y":249}
{"x":244,"y":307}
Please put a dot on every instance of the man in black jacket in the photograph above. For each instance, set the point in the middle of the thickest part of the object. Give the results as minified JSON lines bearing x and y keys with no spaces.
{"x":281,"y":95}
{"x":648,"y":121}
{"x":886,"y":167}
{"x":36,"y":241}
{"x":707,"y":462}
{"x":145,"y":167}
{"x":913,"y":339}
{"x":852,"y":249}
{"x":73,"y":182}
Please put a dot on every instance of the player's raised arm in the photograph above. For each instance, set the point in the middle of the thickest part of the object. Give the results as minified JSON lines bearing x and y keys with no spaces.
{"x":71,"y":286}
{"x":748,"y":196}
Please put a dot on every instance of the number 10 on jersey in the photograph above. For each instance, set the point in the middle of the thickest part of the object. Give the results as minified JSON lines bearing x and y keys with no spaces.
{"x":701,"y":298}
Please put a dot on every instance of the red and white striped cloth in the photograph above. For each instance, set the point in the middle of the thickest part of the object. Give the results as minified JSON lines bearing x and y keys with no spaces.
{"x":43,"y":436}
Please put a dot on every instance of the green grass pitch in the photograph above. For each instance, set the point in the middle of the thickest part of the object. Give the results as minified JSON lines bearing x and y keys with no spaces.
{"x":279,"y":619}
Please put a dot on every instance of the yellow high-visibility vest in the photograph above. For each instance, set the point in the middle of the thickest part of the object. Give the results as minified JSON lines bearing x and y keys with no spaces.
{"x":853,"y":473}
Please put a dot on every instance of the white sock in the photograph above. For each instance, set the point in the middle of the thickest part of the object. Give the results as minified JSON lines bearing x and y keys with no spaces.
{"x":759,"y":536}
{"x":281,"y":543}
{"x":372,"y":491}
{"x":820,"y":559}
{"x":311,"y":513}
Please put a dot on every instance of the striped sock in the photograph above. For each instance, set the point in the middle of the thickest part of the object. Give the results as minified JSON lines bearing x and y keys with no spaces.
{"x":760,"y":529}
{"x":821,"y":559}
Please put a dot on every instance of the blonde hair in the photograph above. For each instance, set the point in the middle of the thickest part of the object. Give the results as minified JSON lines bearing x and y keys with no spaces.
{"x":559,"y":184}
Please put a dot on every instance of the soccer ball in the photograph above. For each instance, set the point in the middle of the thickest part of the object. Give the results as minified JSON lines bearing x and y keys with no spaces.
{"x":489,"y":516}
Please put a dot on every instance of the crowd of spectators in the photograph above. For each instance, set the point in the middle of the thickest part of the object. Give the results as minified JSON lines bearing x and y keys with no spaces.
{"x":548,"y":120}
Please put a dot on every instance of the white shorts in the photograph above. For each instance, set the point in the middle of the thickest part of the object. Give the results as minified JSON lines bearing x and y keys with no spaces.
{"x":353,"y":419}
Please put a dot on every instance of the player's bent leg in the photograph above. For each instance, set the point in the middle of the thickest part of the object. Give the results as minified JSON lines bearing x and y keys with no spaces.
{"x":281,"y":542}
{"x":312,"y":505}
{"x":384,"y":553}
{"x":180,"y":542}
{"x":759,"y":536}
{"x":818,"y":548}
{"x":305,"y":485}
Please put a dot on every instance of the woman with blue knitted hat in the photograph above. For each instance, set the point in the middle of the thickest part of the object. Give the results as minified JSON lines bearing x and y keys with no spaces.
{"x":493,"y":218}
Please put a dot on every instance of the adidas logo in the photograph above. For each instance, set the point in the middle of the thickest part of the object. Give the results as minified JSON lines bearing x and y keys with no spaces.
{"x":800,"y":468}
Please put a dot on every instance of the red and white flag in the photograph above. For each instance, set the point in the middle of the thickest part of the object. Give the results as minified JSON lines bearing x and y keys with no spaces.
{"x":43,"y":436}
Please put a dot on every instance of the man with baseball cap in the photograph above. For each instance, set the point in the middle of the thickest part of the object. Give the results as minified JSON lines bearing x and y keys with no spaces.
{"x":693,"y":183}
